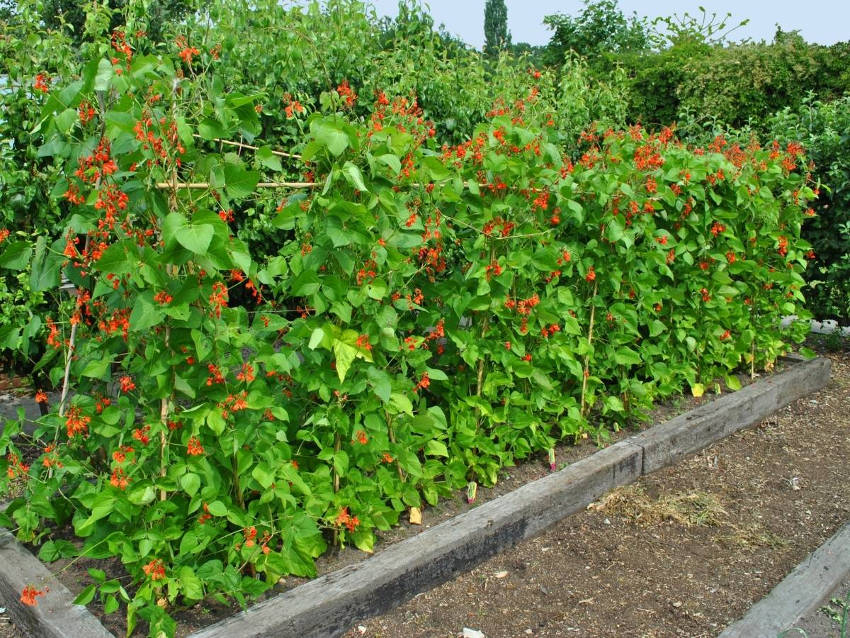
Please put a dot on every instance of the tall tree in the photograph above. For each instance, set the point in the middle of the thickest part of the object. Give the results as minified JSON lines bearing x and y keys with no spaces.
{"x":496,"y":35}
{"x":599,"y":31}
{"x":159,"y":14}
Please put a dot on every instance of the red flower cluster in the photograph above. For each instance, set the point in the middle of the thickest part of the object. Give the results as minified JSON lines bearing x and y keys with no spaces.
{"x":505,"y":227}
{"x":218,"y":298}
{"x":120,"y":455}
{"x":552,"y":329}
{"x":423,"y":383}
{"x":92,"y":168}
{"x":141,"y":435}
{"x":344,"y":518}
{"x":493,"y":269}
{"x":29,"y":594}
{"x":86,"y":112}
{"x":76,"y":422}
{"x":16,"y":468}
{"x":346,"y":93}
{"x":155,"y":569}
{"x":246,"y":374}
{"x":523,"y":306}
{"x":40,"y":83}
{"x":119,"y":479}
{"x":292,"y":108}
{"x":159,"y":136}
{"x":783,"y":245}
{"x":119,"y":43}
{"x":194,"y":447}
{"x":203,"y":518}
{"x":717,"y":228}
{"x":233,"y":403}
{"x":186,"y":52}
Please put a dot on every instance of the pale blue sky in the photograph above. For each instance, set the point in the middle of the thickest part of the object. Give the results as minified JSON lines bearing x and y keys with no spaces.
{"x":821,"y":21}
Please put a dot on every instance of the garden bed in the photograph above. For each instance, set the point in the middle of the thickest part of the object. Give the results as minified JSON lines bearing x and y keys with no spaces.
{"x":204,"y":613}
{"x":685,"y":551}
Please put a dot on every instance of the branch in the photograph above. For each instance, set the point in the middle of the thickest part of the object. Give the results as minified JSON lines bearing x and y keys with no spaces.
{"x":248,"y":146}
{"x":207,"y":185}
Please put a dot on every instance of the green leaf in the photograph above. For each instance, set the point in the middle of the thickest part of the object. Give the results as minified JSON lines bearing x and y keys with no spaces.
{"x":656,"y":328}
{"x":626,"y":357}
{"x":364,"y":540}
{"x":345,"y":355}
{"x":437,"y":375}
{"x":808,"y":353}
{"x":172,"y":226}
{"x":307,"y":283}
{"x":196,"y":238}
{"x":46,"y":267}
{"x":101,"y":508}
{"x":330,"y":136}
{"x":354,"y":177}
{"x":54,"y":550}
{"x":240,"y":254}
{"x":104,"y":74}
{"x":190,"y":584}
{"x":401,"y":403}
{"x":16,"y":256}
{"x":86,"y":596}
{"x":614,"y":404}
{"x":217,"y":508}
{"x":97,"y":574}
{"x":341,"y":462}
{"x":338,"y":236}
{"x":115,"y":260}
{"x":65,"y":120}
{"x":436,"y":448}
{"x":263,"y":476}
{"x":392,"y":161}
{"x":377,"y":289}
{"x":110,"y":586}
{"x":110,"y":605}
{"x":190,"y":483}
{"x":145,"y":315}
{"x":203,"y":346}
{"x":97,"y":369}
{"x":239,"y":182}
{"x":268,"y":159}
{"x":211,"y":129}
{"x":141,"y":495}
{"x":733,"y":382}
{"x":316,"y":338}
{"x":381,"y":383}
{"x":216,"y":422}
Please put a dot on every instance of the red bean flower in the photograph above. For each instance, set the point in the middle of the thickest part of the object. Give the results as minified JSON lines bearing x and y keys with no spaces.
{"x":194,"y":447}
{"x":30,"y":593}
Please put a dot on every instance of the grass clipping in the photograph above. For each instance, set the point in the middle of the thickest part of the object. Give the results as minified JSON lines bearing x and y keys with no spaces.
{"x":688,"y":509}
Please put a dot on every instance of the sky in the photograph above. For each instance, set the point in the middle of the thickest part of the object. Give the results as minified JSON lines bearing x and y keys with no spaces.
{"x":820,"y":21}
